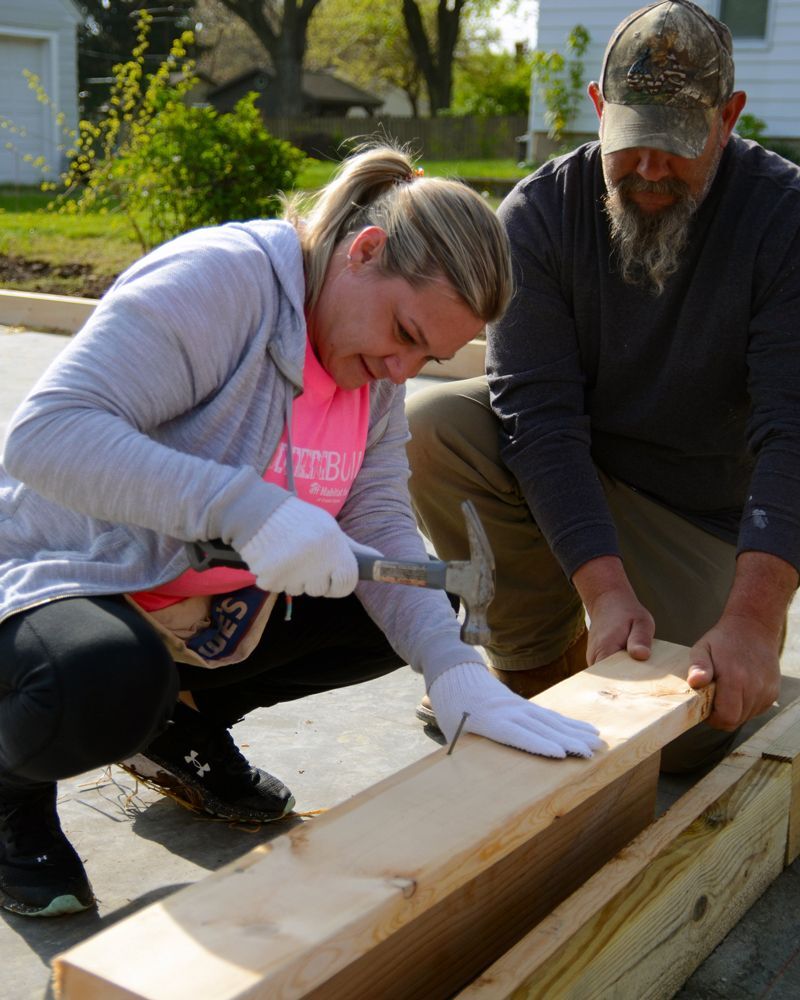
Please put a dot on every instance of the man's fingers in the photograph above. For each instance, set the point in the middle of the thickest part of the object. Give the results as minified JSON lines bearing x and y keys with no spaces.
{"x":640,"y":639}
{"x":727,"y":708}
{"x":700,"y":675}
{"x":601,"y":648}
{"x":701,"y":671}
{"x":727,"y":715}
{"x":638,"y":649}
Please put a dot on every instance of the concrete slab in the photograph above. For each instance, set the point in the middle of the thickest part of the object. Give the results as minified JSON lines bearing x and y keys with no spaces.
{"x":139,"y":847}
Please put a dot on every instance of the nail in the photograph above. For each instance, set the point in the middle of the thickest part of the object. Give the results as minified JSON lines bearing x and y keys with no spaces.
{"x":464,"y":718}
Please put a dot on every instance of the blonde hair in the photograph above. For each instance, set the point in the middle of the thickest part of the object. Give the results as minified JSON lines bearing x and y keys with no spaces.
{"x":435,"y":228}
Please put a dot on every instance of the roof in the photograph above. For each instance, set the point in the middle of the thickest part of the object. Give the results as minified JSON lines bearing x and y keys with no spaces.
{"x":318,"y":84}
{"x":325,"y":86}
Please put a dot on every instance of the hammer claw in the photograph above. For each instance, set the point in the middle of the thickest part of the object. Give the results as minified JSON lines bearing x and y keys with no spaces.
{"x":473,"y":579}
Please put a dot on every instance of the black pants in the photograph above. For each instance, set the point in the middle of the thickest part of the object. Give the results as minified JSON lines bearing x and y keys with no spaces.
{"x":87,"y":681}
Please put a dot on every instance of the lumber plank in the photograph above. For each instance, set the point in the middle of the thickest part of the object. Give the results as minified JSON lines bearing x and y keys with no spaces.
{"x":642,"y":924}
{"x":786,"y":748}
{"x":37,"y":311}
{"x":296,"y":916}
{"x":466,"y":930}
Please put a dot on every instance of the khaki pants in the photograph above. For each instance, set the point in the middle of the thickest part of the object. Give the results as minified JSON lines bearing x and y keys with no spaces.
{"x":681,"y":573}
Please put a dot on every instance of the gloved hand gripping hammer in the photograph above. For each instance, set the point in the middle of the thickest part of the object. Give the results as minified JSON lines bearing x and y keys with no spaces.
{"x":473,"y":579}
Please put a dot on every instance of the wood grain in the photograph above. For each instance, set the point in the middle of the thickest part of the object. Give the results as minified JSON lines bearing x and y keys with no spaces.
{"x":338,"y":896}
{"x":642,"y":924}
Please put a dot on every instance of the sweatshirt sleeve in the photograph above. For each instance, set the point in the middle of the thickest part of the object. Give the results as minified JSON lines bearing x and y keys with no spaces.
{"x":771,"y":517}
{"x":537,"y":385}
{"x":420,"y":624}
{"x":164,"y":340}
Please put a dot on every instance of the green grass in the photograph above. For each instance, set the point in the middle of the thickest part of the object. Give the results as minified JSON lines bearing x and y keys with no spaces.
{"x":318,"y":172}
{"x":84,"y":253}
{"x":100,"y":245}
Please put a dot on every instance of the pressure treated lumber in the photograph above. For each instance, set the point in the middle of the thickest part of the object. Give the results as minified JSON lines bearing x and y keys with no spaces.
{"x":416,"y":884}
{"x":642,"y":924}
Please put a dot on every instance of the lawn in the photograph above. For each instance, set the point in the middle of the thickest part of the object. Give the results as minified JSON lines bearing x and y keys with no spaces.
{"x":43,"y":251}
{"x":318,"y":172}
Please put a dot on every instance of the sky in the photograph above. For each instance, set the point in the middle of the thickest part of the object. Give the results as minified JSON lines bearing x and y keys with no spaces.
{"x":519,"y":27}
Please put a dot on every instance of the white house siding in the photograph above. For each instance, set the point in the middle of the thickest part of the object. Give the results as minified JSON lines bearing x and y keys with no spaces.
{"x":40,"y":36}
{"x":768,"y":70}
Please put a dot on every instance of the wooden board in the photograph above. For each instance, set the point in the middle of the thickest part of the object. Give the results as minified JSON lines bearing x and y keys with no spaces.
{"x":641,"y":925}
{"x":367,"y":886}
{"x":787,"y":749}
{"x":433,"y":956}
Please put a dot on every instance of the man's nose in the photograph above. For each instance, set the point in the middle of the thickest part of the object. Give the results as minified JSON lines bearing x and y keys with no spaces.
{"x":402,"y":367}
{"x":652,"y":164}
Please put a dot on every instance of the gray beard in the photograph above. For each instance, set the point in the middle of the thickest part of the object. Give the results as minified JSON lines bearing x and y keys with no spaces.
{"x":648,"y":247}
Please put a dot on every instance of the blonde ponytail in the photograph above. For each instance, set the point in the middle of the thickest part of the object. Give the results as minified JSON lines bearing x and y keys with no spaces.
{"x":435,"y":228}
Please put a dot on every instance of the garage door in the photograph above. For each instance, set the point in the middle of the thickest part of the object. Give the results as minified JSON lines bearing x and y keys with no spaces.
{"x":19,"y":105}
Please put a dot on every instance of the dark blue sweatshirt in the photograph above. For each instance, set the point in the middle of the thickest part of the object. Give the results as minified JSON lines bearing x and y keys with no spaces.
{"x":692,"y":397}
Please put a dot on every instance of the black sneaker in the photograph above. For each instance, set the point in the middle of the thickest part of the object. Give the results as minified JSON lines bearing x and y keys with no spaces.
{"x":196,"y":762}
{"x":40,"y":873}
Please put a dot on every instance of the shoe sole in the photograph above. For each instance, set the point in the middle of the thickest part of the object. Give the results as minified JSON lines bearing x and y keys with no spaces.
{"x":157,"y":775}
{"x":428,"y":716}
{"x":61,"y":906}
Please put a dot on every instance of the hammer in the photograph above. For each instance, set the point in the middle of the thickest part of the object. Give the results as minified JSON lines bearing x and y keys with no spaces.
{"x":472,"y":579}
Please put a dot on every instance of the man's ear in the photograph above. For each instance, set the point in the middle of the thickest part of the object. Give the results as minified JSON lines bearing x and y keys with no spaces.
{"x":730,"y":114}
{"x":593,"y":91}
{"x":367,"y":245}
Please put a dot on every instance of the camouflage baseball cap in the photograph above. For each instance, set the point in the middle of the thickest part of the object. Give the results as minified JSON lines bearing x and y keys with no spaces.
{"x":666,"y":70}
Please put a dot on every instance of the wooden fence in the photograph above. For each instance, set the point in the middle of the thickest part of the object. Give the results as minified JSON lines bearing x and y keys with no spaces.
{"x":434,"y":138}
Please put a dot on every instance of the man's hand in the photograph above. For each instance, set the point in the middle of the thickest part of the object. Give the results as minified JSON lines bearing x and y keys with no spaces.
{"x":618,"y":620}
{"x":743,"y":658}
{"x":742,"y":651}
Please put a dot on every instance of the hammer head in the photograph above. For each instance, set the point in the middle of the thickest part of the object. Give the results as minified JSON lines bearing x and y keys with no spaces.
{"x":474,"y":580}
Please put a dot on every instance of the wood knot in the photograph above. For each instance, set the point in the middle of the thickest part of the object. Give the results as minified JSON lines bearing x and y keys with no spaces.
{"x":408,"y":886}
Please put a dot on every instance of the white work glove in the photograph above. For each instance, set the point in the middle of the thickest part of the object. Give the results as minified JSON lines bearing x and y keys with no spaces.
{"x":500,"y":715}
{"x":300,"y":549}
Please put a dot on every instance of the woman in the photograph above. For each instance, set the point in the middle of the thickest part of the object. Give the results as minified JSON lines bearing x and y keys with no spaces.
{"x":242,"y":382}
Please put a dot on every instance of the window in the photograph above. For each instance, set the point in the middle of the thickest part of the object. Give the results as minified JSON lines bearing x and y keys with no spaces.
{"x":745,"y":18}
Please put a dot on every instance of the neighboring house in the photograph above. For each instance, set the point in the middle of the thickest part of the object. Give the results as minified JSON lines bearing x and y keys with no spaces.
{"x":394,"y":104}
{"x":39,"y":36}
{"x":766,"y":37}
{"x":324,"y":95}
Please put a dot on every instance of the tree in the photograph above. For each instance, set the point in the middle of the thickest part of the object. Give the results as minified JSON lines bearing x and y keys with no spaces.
{"x":107,"y":35}
{"x":435,"y":57}
{"x":282,"y":28}
{"x":166,"y":166}
{"x":436,"y":30}
{"x":366,"y":41}
{"x":229,"y":47}
{"x":492,"y":83}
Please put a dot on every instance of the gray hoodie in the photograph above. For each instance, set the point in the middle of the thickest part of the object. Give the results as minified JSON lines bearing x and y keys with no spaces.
{"x":155,"y":424}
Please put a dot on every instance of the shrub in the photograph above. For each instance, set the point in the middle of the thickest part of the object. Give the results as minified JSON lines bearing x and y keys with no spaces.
{"x":167,"y":166}
{"x":561,"y":82}
{"x":194,"y":167}
{"x":750,"y":127}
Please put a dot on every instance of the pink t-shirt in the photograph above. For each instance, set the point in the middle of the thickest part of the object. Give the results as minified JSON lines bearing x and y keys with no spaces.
{"x":329,"y":435}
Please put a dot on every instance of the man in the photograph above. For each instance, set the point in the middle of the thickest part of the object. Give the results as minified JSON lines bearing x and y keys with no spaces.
{"x":634,"y":451}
